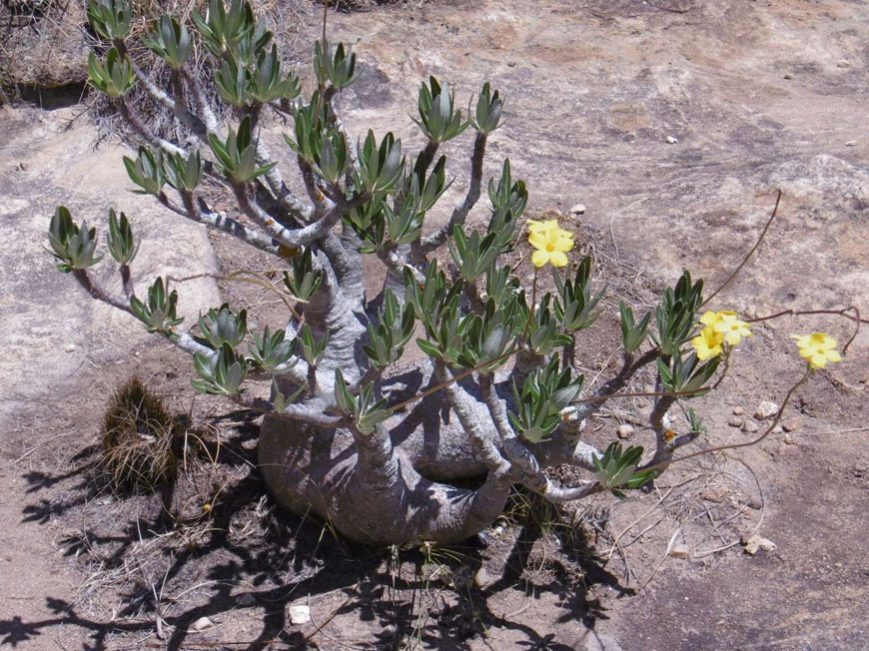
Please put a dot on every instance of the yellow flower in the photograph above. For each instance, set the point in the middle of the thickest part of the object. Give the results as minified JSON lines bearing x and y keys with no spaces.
{"x":551,"y":242}
{"x":733,"y":329}
{"x":711,"y":318}
{"x":818,"y":348}
{"x":726,"y":324}
{"x":541,"y":227}
{"x":708,"y":343}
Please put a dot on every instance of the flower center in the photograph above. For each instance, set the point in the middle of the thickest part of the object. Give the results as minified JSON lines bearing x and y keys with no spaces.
{"x":550,"y":247}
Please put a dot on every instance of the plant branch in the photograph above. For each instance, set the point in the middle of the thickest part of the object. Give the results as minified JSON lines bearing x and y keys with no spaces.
{"x":734,"y":446}
{"x":195,"y":209}
{"x":294,"y":237}
{"x":747,"y":255}
{"x":467,"y":410}
{"x":136,"y":121}
{"x":181,"y":339}
{"x":843,"y":313}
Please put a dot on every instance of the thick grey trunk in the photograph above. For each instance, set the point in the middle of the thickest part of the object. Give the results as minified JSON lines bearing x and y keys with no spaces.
{"x":309,"y":470}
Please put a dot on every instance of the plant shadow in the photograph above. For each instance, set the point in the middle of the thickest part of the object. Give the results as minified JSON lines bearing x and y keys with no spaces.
{"x":241,"y":563}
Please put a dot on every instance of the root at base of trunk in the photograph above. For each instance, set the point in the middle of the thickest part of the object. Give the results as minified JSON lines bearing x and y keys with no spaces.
{"x":310,"y":470}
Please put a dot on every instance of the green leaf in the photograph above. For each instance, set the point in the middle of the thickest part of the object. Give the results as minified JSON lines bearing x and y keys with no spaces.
{"x":488,"y":114}
{"x":115,"y":76}
{"x":236,"y":155}
{"x":221,"y":326}
{"x":633,"y":333}
{"x":72,"y":246}
{"x":221,"y":372}
{"x":170,"y":41}
{"x":439,"y":120}
{"x":146,"y":171}
{"x":110,"y":19}
{"x":181,"y":173}
{"x":309,"y":347}
{"x":343,"y":398}
{"x":120,"y":239}
{"x":303,"y":280}
{"x":159,"y":313}
{"x":333,"y":65}
{"x":270,"y":350}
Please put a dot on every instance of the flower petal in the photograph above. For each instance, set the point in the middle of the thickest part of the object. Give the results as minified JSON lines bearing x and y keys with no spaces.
{"x":540,"y":258}
{"x":558,"y":259}
{"x":538,"y":239}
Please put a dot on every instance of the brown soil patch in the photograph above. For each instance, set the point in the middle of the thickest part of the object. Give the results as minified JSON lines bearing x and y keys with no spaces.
{"x":758,"y":97}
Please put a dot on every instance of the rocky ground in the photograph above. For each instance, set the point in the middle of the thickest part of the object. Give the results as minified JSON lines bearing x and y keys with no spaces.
{"x":673,"y":124}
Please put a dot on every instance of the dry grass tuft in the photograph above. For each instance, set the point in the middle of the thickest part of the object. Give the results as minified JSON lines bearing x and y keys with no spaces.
{"x":142,"y":440}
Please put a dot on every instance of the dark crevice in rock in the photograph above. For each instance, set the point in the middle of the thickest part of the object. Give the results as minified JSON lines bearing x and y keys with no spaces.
{"x":47,"y":98}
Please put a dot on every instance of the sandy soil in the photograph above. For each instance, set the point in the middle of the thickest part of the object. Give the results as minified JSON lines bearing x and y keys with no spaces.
{"x":757,"y":96}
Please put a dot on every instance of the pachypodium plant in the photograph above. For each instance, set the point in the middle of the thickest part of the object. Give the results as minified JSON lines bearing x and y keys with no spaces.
{"x":386,"y":452}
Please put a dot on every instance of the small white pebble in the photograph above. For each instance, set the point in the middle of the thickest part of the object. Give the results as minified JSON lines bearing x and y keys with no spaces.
{"x":69,"y":348}
{"x":625,"y":431}
{"x":671,"y":140}
{"x":766,"y":409}
{"x":578,"y":209}
{"x":201,"y":624}
{"x":300,"y":615}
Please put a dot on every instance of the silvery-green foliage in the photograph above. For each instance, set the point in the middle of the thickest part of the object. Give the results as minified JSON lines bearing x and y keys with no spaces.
{"x":170,"y":41}
{"x":110,"y":19}
{"x":72,"y":245}
{"x":618,"y":469}
{"x":121,"y":244}
{"x":221,"y":372}
{"x":159,"y":313}
{"x":222,"y":326}
{"x":270,"y":350}
{"x":539,"y":402}
{"x":114,"y":76}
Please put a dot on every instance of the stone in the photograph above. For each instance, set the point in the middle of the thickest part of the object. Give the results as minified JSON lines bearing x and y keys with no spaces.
{"x":843,"y":63}
{"x":738,"y":411}
{"x":671,"y":140}
{"x":625,"y":431}
{"x":792,"y":424}
{"x":766,"y":409}
{"x":755,"y":543}
{"x":300,"y":614}
{"x":749,"y":426}
{"x":715,"y":495}
{"x":788,"y":75}
{"x":201,"y":624}
{"x":482,"y":579}
{"x":735,"y":421}
{"x":788,"y":439}
{"x":578,"y":209}
{"x":851,"y":143}
{"x":50,"y":55}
